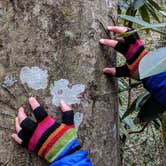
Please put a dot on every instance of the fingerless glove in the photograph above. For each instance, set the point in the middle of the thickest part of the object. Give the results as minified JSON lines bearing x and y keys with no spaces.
{"x":133,"y":50}
{"x":57,"y":143}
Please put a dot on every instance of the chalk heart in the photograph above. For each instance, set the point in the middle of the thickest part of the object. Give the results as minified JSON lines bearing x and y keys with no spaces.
{"x":60,"y":90}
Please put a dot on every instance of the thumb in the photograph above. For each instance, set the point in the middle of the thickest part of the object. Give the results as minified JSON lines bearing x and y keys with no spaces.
{"x":64,"y":107}
{"x":110,"y":71}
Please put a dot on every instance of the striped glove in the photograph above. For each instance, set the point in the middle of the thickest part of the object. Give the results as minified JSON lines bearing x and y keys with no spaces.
{"x":131,"y":47}
{"x":51,"y":140}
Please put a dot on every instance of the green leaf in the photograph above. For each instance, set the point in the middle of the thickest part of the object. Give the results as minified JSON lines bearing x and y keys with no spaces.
{"x":121,"y":86}
{"x":144,"y":13}
{"x":158,"y":25}
{"x":154,"y":4}
{"x":145,"y":25}
{"x":138,"y":3}
{"x":152,"y":11}
{"x":163,"y":13}
{"x":141,"y":100}
{"x":119,"y":10}
{"x":157,"y":123}
{"x":135,"y":20}
{"x":122,"y":129}
{"x":153,"y":63}
{"x":120,"y":101}
{"x":141,"y":22}
{"x":155,"y":16}
{"x":130,"y":110}
{"x":127,"y":121}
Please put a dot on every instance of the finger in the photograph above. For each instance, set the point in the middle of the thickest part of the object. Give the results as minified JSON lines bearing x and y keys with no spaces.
{"x":21,"y":115}
{"x":18,"y":128}
{"x":120,"y":39}
{"x":64,"y":107}
{"x":110,"y":71}
{"x":39,"y":111}
{"x":109,"y":42}
{"x":16,"y":138}
{"x":117,"y":29}
{"x":33,"y":103}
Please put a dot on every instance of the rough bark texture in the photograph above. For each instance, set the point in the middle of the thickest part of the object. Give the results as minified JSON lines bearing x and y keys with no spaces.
{"x":60,"y":36}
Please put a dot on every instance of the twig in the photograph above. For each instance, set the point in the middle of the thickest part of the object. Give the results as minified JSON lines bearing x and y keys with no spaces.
{"x":135,"y":145}
{"x":129,"y":93}
{"x":7,"y":89}
{"x":139,"y":131}
{"x":130,"y":87}
{"x":102,"y":25}
{"x":112,"y":19}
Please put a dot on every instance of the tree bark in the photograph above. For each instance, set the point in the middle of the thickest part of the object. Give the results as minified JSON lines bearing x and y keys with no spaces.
{"x":61,"y":36}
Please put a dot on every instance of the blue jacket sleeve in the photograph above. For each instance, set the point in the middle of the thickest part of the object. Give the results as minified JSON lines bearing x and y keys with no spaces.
{"x":156,"y":85}
{"x":79,"y":158}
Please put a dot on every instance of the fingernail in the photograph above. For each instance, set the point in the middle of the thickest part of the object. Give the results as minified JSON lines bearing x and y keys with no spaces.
{"x":102,"y":41}
{"x":31,"y":98}
{"x":109,"y":27}
{"x":21,"y":109}
{"x":103,"y":70}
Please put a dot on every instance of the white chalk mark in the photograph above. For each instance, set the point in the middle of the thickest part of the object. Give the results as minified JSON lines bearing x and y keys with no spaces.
{"x":60,"y":90}
{"x":34,"y":77}
{"x":10,"y":80}
{"x":78,"y":118}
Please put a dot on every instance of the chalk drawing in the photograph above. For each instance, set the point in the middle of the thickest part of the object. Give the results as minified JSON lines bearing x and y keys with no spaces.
{"x":35,"y":77}
{"x":60,"y":90}
{"x":78,"y":118}
{"x":10,"y":80}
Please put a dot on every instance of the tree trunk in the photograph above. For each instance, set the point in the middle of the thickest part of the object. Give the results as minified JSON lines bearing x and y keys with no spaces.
{"x":61,"y":37}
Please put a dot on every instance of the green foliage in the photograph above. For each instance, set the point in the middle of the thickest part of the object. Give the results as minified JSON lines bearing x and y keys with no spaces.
{"x":144,"y":25}
{"x":136,"y":104}
{"x":163,"y":13}
{"x":146,"y":9}
{"x":144,"y":13}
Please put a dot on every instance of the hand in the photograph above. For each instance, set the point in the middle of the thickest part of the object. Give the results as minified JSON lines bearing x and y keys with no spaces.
{"x":131,"y":47}
{"x":48,"y":138}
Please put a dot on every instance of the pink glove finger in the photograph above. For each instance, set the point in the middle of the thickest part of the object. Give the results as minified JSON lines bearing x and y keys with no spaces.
{"x":21,"y":115}
{"x":110,"y":71}
{"x":33,"y":103}
{"x":117,"y":29}
{"x":17,"y":124}
{"x":64,"y":107}
{"x":16,"y":138}
{"x":109,"y":42}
